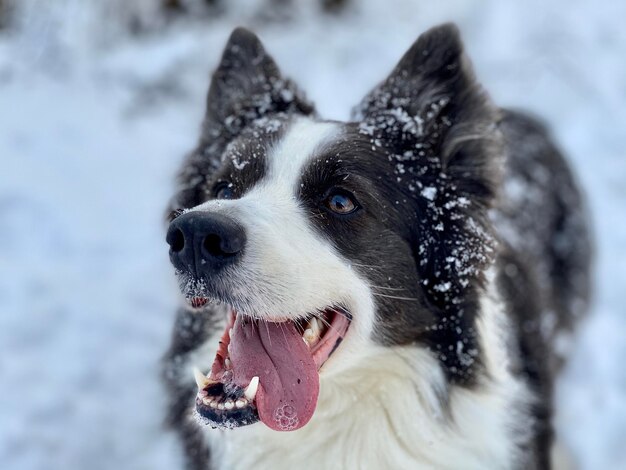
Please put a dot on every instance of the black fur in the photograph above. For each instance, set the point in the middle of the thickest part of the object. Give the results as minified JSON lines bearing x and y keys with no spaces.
{"x":435,"y":125}
{"x":544,"y":260}
{"x":191,"y":329}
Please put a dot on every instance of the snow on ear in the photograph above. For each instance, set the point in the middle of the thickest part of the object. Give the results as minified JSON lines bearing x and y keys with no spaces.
{"x":439,"y":131}
{"x":247,"y":87}
{"x":431,"y":107}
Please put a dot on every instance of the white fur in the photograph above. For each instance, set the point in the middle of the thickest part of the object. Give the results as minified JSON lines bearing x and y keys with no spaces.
{"x":385,"y":412}
{"x":379,"y":407}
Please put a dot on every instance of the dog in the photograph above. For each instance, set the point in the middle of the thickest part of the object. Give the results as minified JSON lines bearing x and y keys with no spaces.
{"x":392,"y":292}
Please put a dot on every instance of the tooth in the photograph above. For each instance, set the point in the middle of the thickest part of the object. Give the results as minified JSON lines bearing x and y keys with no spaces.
{"x":312,"y":333}
{"x":250,"y":391}
{"x":220,"y":406}
{"x":206,"y":401}
{"x":314,"y":328}
{"x":230,"y":333}
{"x":203,"y":393}
{"x":316,"y":325}
{"x":227,"y":363}
{"x":229,"y":405}
{"x":201,"y":379}
{"x":308,"y":337}
{"x":241,"y":403}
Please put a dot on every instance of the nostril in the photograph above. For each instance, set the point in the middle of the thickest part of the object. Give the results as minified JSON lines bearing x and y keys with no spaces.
{"x":176,"y":240}
{"x":213,"y":245}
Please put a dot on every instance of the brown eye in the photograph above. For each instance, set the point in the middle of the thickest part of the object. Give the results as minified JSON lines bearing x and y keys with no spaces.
{"x":341,"y":202}
{"x":223,"y":190}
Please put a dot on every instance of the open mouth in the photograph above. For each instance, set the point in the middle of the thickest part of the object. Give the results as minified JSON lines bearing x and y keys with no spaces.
{"x":268,"y":371}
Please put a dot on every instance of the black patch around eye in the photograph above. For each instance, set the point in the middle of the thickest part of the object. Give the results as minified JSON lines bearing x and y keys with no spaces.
{"x":244,"y":162}
{"x":383,"y":244}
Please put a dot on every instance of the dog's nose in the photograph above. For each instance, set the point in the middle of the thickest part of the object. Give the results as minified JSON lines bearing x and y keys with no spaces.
{"x":203,"y":243}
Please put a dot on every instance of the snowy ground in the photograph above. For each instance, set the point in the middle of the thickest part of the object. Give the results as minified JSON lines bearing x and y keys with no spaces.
{"x":93,"y":125}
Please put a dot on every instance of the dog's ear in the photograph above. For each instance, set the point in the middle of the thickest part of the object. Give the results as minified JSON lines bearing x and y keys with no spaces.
{"x":435,"y":124}
{"x":246,"y":87}
{"x":431,"y":109}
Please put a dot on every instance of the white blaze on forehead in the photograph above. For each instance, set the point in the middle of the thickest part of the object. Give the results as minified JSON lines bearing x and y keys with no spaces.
{"x":303,"y":140}
{"x":297,"y":269}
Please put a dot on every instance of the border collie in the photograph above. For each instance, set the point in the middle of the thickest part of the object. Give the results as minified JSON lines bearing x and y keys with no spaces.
{"x":389,"y":292}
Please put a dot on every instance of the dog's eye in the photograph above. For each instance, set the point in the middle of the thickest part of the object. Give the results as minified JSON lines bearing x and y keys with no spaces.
{"x":223,"y":190}
{"x":341,"y":202}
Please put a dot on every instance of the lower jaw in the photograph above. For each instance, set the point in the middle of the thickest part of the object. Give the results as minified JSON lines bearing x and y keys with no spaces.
{"x":212,"y":411}
{"x":220,"y":403}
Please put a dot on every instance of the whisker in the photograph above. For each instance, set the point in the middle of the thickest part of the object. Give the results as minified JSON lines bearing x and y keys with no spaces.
{"x":268,"y":332}
{"x":395,"y":297}
{"x":388,"y":288}
{"x":366,"y":266}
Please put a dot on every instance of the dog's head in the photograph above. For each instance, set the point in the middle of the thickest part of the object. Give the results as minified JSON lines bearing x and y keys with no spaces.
{"x":324,"y":237}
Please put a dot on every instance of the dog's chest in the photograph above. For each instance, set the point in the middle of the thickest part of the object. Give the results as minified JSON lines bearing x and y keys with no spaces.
{"x":309,"y":448}
{"x":385,"y":422}
{"x":347,"y":431}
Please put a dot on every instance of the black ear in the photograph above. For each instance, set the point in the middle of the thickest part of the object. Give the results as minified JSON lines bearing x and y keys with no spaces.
{"x":431,"y":108}
{"x":437,"y":127}
{"x":246,"y":87}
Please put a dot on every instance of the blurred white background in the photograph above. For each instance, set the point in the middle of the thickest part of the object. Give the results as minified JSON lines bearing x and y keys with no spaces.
{"x":100,"y":100}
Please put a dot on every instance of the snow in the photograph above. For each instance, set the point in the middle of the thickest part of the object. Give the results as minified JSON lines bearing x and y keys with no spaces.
{"x":429,"y":193}
{"x":93,"y":126}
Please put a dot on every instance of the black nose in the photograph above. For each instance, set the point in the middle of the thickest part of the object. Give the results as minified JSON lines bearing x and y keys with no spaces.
{"x":203,"y":243}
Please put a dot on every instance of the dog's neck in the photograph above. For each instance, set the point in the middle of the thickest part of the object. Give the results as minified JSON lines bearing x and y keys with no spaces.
{"x":395,"y":410}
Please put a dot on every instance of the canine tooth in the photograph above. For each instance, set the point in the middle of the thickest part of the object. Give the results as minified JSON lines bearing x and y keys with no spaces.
{"x":312,"y":335}
{"x":250,"y":391}
{"x":203,"y":393}
{"x":230,"y":332}
{"x":227,"y":363}
{"x":229,"y":405}
{"x":315,"y":326}
{"x":241,"y":403}
{"x":308,"y":337}
{"x":201,"y":379}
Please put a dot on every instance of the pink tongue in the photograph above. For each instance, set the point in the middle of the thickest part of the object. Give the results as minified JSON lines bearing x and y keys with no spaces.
{"x":288,"y":378}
